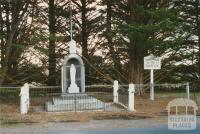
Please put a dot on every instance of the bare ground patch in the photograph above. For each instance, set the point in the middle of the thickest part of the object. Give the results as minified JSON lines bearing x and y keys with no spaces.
{"x":145,"y":108}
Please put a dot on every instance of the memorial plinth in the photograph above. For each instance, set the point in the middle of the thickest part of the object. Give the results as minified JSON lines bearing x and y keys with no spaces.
{"x":75,"y":102}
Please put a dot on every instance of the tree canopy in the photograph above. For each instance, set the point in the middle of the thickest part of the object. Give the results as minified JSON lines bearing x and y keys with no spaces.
{"x":113,"y":37}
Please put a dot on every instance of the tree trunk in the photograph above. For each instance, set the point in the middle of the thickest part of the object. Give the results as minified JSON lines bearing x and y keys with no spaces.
{"x":84,"y":36}
{"x":136,"y":49}
{"x":52,"y":39}
{"x":114,"y":57}
{"x":2,"y":40}
{"x":10,"y":29}
{"x":198,"y":32}
{"x":136,"y":53}
{"x":108,"y":26}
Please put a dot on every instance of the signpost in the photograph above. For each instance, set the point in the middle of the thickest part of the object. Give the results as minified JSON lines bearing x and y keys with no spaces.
{"x":152,"y":63}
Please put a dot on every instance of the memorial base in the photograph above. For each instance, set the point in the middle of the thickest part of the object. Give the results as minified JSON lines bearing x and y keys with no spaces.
{"x":73,"y":89}
{"x":74,"y":102}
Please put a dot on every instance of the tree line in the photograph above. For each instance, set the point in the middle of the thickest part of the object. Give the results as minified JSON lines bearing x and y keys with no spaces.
{"x":113,"y":37}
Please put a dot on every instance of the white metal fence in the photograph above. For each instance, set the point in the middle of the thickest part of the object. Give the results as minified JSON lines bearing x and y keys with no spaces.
{"x":122,"y":95}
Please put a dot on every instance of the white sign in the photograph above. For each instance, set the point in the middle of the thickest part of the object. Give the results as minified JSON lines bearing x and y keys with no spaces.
{"x":152,"y":62}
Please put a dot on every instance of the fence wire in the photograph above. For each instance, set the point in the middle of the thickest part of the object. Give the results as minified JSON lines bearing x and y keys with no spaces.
{"x":123,"y":95}
{"x":96,"y":98}
{"x":96,"y":95}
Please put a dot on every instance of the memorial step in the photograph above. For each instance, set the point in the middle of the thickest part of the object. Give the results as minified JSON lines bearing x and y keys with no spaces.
{"x":75,"y":99}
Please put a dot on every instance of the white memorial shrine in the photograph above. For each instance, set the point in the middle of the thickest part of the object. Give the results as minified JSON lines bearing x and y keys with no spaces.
{"x":73,"y":96}
{"x":73,"y":72}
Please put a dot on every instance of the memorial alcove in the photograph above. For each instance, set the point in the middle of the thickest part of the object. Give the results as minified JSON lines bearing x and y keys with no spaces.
{"x":80,"y":72}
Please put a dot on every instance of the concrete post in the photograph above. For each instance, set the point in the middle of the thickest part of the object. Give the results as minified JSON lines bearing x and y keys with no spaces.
{"x":131,"y":96}
{"x":188,"y":90}
{"x":24,"y":99}
{"x":115,"y":91}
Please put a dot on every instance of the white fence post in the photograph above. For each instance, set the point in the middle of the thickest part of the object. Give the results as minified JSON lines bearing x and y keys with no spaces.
{"x":24,"y":99}
{"x":188,"y":90}
{"x":115,"y":91}
{"x":131,"y":102}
